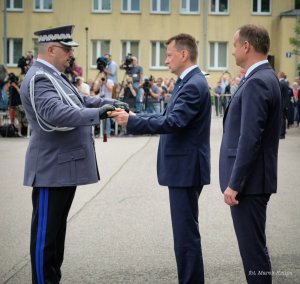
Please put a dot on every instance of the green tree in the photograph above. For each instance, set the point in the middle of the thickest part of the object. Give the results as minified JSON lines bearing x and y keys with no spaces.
{"x":295,"y":41}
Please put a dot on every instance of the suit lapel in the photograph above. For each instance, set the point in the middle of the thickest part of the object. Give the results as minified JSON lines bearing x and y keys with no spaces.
{"x":263,"y":66}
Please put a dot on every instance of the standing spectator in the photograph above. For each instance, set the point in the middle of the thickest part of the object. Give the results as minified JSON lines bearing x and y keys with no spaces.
{"x":112,"y":73}
{"x":81,"y":86}
{"x":14,"y":100}
{"x":184,"y":151}
{"x":249,"y":150}
{"x":285,"y":102}
{"x":128,"y":93}
{"x":137,"y":76}
{"x":234,"y":85}
{"x":104,"y":88}
{"x":152,"y":95}
{"x":295,"y":88}
{"x":217,"y":91}
{"x":60,"y":154}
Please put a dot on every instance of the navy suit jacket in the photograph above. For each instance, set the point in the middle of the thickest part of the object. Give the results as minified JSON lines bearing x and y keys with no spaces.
{"x":184,"y":147}
{"x":249,"y":148}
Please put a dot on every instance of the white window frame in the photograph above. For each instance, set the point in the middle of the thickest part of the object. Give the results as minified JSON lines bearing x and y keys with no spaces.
{"x":217,"y":10}
{"x":216,"y":56}
{"x":42,"y":9}
{"x":259,"y":12}
{"x":158,"y":4}
{"x":129,"y":9}
{"x":11,"y":51}
{"x":100,"y":9}
{"x":157,"y":65}
{"x":99,"y":51}
{"x":188,"y":10}
{"x":12,"y":6}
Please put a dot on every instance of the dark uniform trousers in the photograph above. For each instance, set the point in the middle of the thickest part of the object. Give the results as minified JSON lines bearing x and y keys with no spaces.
{"x":187,"y":240}
{"x":48,"y":230}
{"x":249,"y":220}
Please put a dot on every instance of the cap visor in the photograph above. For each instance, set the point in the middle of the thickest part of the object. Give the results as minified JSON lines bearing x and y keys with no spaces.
{"x":69,"y":43}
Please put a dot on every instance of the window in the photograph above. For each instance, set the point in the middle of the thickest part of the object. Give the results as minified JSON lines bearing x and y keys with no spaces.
{"x":14,"y":5}
{"x":102,"y":6}
{"x":43,"y":5}
{"x":297,"y":4}
{"x":261,"y":7}
{"x":160,"y":6}
{"x":219,"y":6}
{"x":218,"y":55}
{"x":158,"y":55}
{"x":100,"y":47}
{"x":131,"y":6}
{"x":190,"y":7}
{"x":130,"y":47}
{"x":14,"y":51}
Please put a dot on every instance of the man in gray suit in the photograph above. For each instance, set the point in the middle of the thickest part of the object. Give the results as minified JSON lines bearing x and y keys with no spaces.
{"x":61,"y":152}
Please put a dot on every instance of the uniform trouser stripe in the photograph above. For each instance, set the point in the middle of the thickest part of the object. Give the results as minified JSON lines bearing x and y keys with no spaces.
{"x":41,"y":234}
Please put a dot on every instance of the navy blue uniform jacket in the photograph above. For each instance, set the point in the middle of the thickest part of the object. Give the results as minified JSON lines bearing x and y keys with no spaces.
{"x":249,"y":148}
{"x":183,"y":158}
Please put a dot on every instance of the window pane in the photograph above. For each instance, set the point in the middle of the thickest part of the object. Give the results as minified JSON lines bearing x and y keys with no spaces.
{"x":135,"y":5}
{"x":105,"y":47}
{"x":223,"y":6}
{"x":17,"y":50}
{"x":212,"y":54}
{"x":183,"y":5}
{"x":106,"y":4}
{"x":18,"y":4}
{"x":194,"y":5}
{"x":265,"y":5}
{"x":95,"y":5}
{"x":153,"y":53}
{"x":164,"y":5}
{"x":94,"y":51}
{"x":297,"y":4}
{"x":254,"y":5}
{"x":48,"y":4}
{"x":162,"y":54}
{"x":37,"y":4}
{"x":154,"y":5}
{"x":222,"y":55}
{"x":135,"y":48}
{"x":213,"y":6}
{"x":125,"y":5}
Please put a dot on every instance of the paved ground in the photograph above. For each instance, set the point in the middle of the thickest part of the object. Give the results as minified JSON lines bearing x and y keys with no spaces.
{"x":119,"y":229}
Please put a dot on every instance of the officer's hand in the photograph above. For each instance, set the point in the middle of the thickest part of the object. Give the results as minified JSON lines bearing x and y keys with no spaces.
{"x":122,"y":105}
{"x":104,"y":110}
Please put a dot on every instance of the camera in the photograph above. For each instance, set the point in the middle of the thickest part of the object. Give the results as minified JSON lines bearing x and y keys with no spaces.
{"x":127,"y":63}
{"x":103,"y":79}
{"x":23,"y":63}
{"x":147,"y":84}
{"x":12,"y":78}
{"x":101,"y":63}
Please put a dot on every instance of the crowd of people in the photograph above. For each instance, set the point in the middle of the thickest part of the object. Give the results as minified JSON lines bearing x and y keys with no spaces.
{"x":143,"y":94}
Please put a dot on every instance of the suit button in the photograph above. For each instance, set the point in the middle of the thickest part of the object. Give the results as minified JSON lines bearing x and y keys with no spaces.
{"x":73,"y":158}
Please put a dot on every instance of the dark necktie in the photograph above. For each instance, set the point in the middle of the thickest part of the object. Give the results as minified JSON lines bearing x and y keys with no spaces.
{"x":178,"y":81}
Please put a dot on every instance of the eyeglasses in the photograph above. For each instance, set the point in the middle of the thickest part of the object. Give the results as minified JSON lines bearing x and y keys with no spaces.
{"x":66,"y":49}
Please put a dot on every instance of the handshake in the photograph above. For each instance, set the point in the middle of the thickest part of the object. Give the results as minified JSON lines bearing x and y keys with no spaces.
{"x":106,"y":110}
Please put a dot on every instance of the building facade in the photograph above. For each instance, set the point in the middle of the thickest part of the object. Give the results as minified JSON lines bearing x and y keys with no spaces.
{"x":141,"y":27}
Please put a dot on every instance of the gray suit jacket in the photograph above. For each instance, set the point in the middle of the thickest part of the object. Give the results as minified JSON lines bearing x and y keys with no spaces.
{"x":59,"y":158}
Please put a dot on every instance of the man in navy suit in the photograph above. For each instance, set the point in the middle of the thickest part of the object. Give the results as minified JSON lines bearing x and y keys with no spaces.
{"x":183,"y":162}
{"x":249,"y":150}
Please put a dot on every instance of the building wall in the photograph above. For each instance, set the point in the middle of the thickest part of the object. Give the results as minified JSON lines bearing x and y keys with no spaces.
{"x":145,"y":27}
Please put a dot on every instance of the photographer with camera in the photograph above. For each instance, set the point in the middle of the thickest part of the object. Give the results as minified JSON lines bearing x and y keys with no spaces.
{"x":152,"y":95}
{"x":128,"y":93}
{"x":12,"y":88}
{"x":103,"y":88}
{"x":137,"y":76}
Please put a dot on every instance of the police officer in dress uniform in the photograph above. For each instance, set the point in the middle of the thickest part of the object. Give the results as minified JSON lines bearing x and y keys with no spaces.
{"x":61,"y":152}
